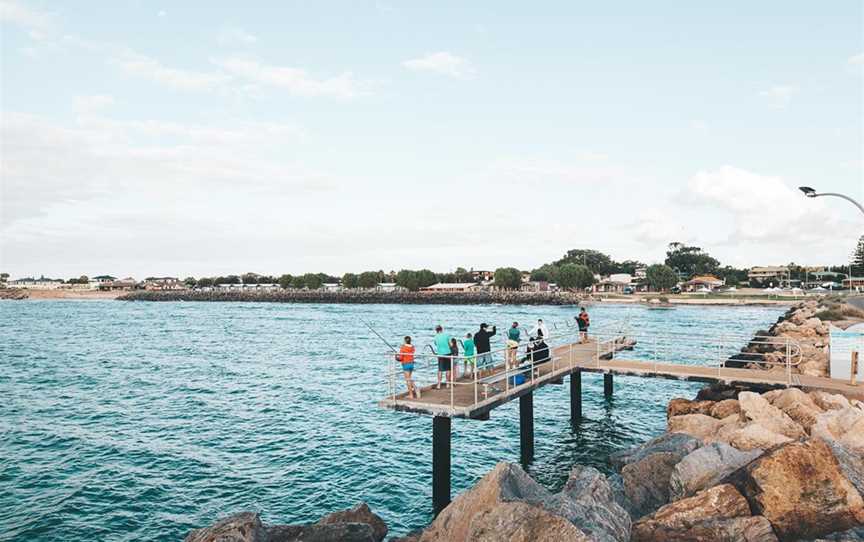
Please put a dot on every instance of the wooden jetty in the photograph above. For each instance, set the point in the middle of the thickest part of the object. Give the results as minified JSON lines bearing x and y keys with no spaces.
{"x":475,"y":398}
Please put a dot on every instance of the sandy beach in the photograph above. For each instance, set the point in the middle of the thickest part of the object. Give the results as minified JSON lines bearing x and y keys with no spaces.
{"x":63,"y":294}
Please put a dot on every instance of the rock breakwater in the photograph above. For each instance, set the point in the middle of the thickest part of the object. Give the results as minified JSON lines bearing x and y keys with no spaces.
{"x":362,"y":296}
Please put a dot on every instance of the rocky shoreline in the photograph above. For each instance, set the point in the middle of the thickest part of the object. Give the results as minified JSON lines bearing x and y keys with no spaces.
{"x":735,"y":464}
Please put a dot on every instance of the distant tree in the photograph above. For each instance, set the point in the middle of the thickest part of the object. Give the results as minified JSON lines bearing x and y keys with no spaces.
{"x":231,"y":279}
{"x":369,"y":279}
{"x":190,"y":282}
{"x":250,"y":278}
{"x":661,"y":277}
{"x":313,"y":281}
{"x":408,"y":279}
{"x":349,"y":280}
{"x":508,"y":278}
{"x":541,"y":275}
{"x":4,"y":277}
{"x":734,"y":276}
{"x":298,"y":282}
{"x":627,"y":266}
{"x":267,"y":279}
{"x":447,"y":278}
{"x":575,"y":276}
{"x":595,"y":261}
{"x":426,"y":277}
{"x":205,"y":282}
{"x":463,"y":275}
{"x":858,"y":258}
{"x":690,"y":260}
{"x":285,"y":280}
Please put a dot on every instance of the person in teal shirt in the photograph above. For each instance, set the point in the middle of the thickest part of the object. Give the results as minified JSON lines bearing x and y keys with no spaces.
{"x":513,"y":335}
{"x":470,"y":354}
{"x":442,"y":349}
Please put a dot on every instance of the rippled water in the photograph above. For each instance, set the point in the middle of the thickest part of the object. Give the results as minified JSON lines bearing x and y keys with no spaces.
{"x":129,"y":421}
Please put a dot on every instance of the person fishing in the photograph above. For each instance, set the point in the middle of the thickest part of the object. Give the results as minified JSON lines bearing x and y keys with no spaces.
{"x":481,"y":343}
{"x":583,"y":322}
{"x":540,"y":328}
{"x":442,"y":350}
{"x":513,"y":335}
{"x":406,"y":358}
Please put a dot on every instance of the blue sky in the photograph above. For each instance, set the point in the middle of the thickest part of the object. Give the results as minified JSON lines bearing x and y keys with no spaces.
{"x":204,"y":137}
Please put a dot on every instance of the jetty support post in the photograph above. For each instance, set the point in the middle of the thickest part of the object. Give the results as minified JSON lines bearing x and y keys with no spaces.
{"x":607,"y":384}
{"x":526,"y":427}
{"x":440,"y":463}
{"x":575,"y":397}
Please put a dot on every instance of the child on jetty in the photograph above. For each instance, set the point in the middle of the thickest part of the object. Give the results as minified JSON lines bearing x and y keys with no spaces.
{"x":442,"y":350}
{"x":454,"y":353}
{"x":513,"y":335}
{"x":469,"y":353}
{"x":406,"y":358}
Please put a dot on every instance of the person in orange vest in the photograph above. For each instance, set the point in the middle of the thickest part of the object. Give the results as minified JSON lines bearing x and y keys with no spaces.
{"x":406,"y":358}
{"x":584,"y":321}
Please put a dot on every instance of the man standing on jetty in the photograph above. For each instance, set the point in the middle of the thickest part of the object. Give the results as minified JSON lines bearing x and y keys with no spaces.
{"x":442,"y":350}
{"x":583,"y":321}
{"x":481,"y":342}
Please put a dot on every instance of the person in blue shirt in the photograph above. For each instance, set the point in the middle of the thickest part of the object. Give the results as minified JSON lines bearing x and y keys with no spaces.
{"x":442,"y":350}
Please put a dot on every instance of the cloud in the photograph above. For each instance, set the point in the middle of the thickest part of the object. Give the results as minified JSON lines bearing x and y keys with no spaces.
{"x":36,"y":23}
{"x":146,"y":67}
{"x":235,"y":36}
{"x":295,"y":80}
{"x":162,"y":13}
{"x":94,"y":103}
{"x":442,"y":63}
{"x":779,"y":96}
{"x":765,"y":209}
{"x":856,"y":60}
{"x":657,"y":226}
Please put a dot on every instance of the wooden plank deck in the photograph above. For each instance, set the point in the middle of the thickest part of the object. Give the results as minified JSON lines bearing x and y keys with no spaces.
{"x":468,"y":400}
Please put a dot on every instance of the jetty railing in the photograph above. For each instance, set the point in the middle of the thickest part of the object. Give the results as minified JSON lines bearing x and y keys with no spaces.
{"x":676,"y":348}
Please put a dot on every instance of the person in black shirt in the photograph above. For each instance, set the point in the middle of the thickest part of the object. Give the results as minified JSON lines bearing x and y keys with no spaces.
{"x":481,"y":341}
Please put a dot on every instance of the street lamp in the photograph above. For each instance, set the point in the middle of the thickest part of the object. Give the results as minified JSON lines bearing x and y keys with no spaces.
{"x":811,"y":193}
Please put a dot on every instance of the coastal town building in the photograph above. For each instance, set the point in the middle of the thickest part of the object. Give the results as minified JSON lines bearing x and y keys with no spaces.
{"x":452,"y":287}
{"x":390,"y":287}
{"x":482,"y":276}
{"x":121,"y":284}
{"x":703,"y":282}
{"x":768,"y":273}
{"x":853,"y":283}
{"x":30,"y":283}
{"x":163,"y":283}
{"x":332,"y":287}
{"x":537,"y":286}
{"x":614,"y":283}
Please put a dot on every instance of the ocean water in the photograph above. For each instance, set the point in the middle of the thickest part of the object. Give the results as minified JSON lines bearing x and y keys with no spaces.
{"x":140,"y":421}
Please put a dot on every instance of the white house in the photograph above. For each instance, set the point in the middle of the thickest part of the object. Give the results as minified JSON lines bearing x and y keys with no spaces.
{"x":452,"y":287}
{"x":30,"y":283}
{"x":389,"y":287}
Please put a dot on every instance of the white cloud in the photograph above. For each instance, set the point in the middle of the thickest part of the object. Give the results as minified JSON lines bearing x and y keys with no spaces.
{"x":162,"y":13}
{"x":234,"y":35}
{"x":779,"y":96}
{"x":856,"y":60}
{"x":36,"y":23}
{"x":442,"y":63}
{"x":295,"y":80}
{"x":94,"y":103}
{"x":765,"y":209}
{"x":144,"y":66}
{"x":657,"y":226}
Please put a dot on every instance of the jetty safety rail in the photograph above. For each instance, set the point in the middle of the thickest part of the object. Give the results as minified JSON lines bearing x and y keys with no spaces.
{"x":474,"y":382}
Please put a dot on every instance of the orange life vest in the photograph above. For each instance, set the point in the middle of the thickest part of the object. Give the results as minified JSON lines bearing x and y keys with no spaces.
{"x":406,"y":354}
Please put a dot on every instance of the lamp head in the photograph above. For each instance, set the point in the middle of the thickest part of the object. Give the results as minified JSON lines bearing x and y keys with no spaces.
{"x":809,"y":192}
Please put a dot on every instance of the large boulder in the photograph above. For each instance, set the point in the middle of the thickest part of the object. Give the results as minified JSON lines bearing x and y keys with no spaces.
{"x":754,"y":436}
{"x":667,"y":442}
{"x":800,"y":488}
{"x":715,"y":514}
{"x":706,"y":467}
{"x":844,"y":426}
{"x":829,"y":401}
{"x":344,"y":532}
{"x":797,"y":405}
{"x":508,"y":505}
{"x":851,"y":464}
{"x":756,"y":408}
{"x":725,"y":408}
{"x":241,"y":527}
{"x":359,"y":514}
{"x":699,"y":426}
{"x":679,"y":406}
{"x":588,"y":500}
{"x":852,"y":535}
{"x":646,"y":482}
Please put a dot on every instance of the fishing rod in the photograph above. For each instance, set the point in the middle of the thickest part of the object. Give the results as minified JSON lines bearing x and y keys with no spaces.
{"x":379,"y":335}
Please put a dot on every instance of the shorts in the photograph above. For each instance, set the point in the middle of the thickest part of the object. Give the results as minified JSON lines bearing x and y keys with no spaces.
{"x":512,"y":344}
{"x":444,"y":363}
{"x":484,"y":359}
{"x":408,"y":367}
{"x":471,"y":360}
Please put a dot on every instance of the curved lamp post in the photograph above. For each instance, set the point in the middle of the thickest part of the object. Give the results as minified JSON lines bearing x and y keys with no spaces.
{"x":810,"y":193}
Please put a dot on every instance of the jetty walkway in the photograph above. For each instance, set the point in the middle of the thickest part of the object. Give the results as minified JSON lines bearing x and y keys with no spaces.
{"x":474,"y":396}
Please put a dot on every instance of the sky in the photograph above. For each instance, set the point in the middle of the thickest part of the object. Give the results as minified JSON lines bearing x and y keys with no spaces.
{"x":208,"y":138}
